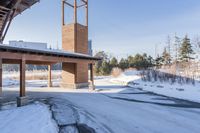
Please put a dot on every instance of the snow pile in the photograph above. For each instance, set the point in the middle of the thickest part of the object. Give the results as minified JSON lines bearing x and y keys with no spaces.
{"x":35,"y":118}
{"x":126,"y":77}
{"x":185,"y":91}
{"x":10,"y":82}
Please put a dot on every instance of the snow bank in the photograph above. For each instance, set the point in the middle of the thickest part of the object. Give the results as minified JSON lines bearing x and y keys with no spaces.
{"x":186,"y":91}
{"x":10,"y":82}
{"x":35,"y":118}
{"x":126,"y":77}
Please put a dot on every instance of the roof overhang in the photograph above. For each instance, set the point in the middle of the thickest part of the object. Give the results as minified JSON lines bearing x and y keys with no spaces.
{"x":10,"y":9}
{"x":46,"y":52}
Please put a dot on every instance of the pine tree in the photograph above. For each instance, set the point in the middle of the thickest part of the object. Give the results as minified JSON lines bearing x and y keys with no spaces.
{"x":166,"y":58}
{"x":158,"y":61}
{"x":186,"y":50}
{"x":105,"y":68}
{"x":123,"y":64}
{"x":113,"y":62}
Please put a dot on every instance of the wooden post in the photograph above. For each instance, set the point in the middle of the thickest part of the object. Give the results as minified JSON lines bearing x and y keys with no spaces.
{"x":1,"y":80}
{"x":75,"y":11}
{"x":63,"y":12}
{"x":49,"y":76}
{"x":87,"y":11}
{"x":92,"y":87}
{"x":22,"y":78}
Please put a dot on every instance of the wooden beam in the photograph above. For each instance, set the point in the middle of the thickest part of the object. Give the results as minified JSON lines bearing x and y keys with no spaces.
{"x":6,"y":30}
{"x":4,"y":8}
{"x":22,"y":78}
{"x":81,"y":5}
{"x":63,"y":12}
{"x":40,"y":58}
{"x":68,"y":4}
{"x":49,"y":76}
{"x":75,"y":11}
{"x":87,"y":13}
{"x":84,"y":1}
{"x":4,"y":25}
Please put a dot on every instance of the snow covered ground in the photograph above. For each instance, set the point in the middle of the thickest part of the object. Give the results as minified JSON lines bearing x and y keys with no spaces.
{"x":34,"y":118}
{"x":185,"y":91}
{"x":113,"y":107}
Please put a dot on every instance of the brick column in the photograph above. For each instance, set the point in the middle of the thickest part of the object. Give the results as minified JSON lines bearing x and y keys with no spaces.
{"x":1,"y":79}
{"x":22,"y":78}
{"x":49,"y":76}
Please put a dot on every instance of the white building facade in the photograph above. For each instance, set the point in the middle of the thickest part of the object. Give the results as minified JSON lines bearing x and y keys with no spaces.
{"x":31,"y":45}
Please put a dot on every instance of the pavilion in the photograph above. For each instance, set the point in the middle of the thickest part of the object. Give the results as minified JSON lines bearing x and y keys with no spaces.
{"x":74,"y":54}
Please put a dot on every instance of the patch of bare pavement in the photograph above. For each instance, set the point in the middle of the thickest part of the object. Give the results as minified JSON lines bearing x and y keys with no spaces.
{"x":67,"y":117}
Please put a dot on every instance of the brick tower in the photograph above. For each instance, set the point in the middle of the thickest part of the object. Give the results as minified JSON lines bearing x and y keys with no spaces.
{"x":75,"y":39}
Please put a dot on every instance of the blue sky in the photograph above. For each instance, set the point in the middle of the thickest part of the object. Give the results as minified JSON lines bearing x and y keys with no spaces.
{"x":120,"y":27}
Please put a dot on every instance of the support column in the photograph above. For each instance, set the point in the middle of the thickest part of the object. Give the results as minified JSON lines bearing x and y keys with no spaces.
{"x":22,"y":78}
{"x":22,"y":99}
{"x":1,"y":79}
{"x":74,"y":75}
{"x":49,"y":76}
{"x":92,"y":86}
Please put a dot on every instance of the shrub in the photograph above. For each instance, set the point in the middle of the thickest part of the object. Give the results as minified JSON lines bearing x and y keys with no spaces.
{"x":116,"y":72}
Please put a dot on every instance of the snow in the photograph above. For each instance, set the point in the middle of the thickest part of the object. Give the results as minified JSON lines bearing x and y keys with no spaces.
{"x":113,"y":108}
{"x":35,"y":118}
{"x":136,"y":113}
{"x":184,"y":91}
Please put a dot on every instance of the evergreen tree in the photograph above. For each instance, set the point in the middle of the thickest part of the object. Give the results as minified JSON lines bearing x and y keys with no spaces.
{"x":166,"y":58}
{"x":158,"y":61}
{"x":186,"y":50}
{"x":123,"y":64}
{"x":150,"y":61}
{"x":105,"y":68}
{"x":113,"y":62}
{"x":131,"y":61}
{"x":98,"y":65}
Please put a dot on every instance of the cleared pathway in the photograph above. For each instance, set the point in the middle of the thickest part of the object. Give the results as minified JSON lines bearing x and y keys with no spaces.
{"x":119,"y":109}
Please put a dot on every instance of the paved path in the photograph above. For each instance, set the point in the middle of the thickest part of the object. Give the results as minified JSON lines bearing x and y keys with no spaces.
{"x":119,"y":109}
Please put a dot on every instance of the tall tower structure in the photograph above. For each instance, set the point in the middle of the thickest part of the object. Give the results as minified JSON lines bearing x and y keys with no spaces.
{"x":75,"y":39}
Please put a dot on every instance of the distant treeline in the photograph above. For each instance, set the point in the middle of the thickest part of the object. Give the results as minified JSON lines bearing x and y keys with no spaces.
{"x":177,"y":51}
